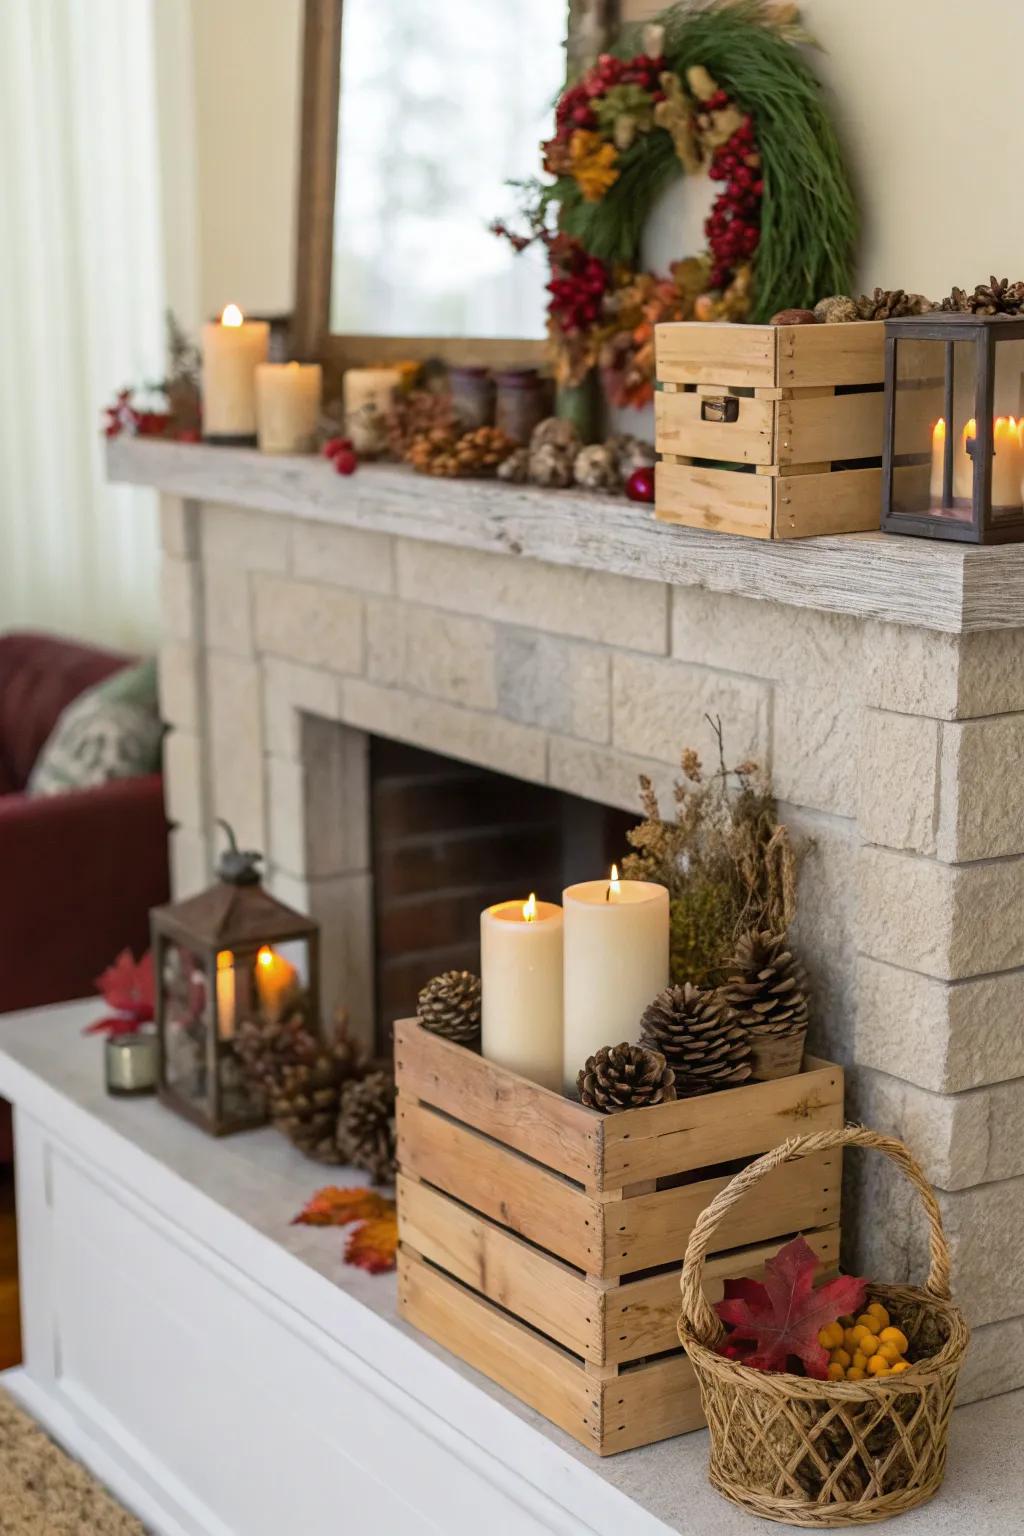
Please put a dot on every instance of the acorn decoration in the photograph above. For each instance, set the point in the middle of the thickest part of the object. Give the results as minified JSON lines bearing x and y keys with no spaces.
{"x":625,"y":1077}
{"x":450,"y":1005}
{"x":700,"y":1037}
{"x":767,"y":988}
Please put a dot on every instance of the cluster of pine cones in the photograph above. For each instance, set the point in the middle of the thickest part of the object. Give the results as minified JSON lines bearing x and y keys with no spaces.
{"x":694,"y":1040}
{"x":331,"y":1104}
{"x":449,"y":454}
{"x":996,"y":297}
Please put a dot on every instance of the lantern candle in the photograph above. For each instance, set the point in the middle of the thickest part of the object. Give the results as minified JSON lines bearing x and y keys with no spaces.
{"x":521,"y":971}
{"x":1006,"y":464}
{"x":938,"y":457}
{"x":288,"y":406}
{"x":232,"y":349}
{"x":963,"y":464}
{"x":616,"y":961}
{"x":276,"y":983}
{"x":225,"y":994}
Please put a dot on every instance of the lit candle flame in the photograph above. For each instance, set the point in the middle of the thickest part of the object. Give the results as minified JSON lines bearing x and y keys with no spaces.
{"x":614,"y":884}
{"x":265,"y":955}
{"x":530,"y":909}
{"x":939,"y":430}
{"x":232,"y":315}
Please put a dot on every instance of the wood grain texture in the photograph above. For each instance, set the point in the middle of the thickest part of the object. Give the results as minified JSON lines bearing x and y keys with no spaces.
{"x":649,"y":1403}
{"x":680,"y":428}
{"x":688,"y":352}
{"x":953,"y":588}
{"x":552,"y":1129}
{"x":831,"y":354}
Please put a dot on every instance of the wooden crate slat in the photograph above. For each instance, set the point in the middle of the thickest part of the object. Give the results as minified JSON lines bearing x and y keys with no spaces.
{"x":501,"y":1183}
{"x":707,"y":354}
{"x":540,"y":1289}
{"x":831,"y":354}
{"x":509,"y":1353}
{"x":640,"y":1316}
{"x":845,"y":501}
{"x":738,"y":1122}
{"x":549,"y":1128}
{"x":647,"y":1230}
{"x":680,"y":429}
{"x":648,"y":1404}
{"x":721,"y":500}
{"x":826,"y":427}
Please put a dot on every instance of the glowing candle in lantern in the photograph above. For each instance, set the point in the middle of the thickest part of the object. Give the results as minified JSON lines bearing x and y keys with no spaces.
{"x":1006,"y":463}
{"x":521,"y":971}
{"x":232,"y":349}
{"x":225,"y":994}
{"x":963,"y":463}
{"x":938,"y":454}
{"x":276,"y":983}
{"x":616,"y":962}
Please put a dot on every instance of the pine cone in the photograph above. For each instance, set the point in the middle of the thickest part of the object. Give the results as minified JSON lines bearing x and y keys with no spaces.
{"x":264,"y":1049}
{"x":304,"y":1108}
{"x":365,"y":1129}
{"x":768,"y":988}
{"x":481,"y":451}
{"x":415,"y":414}
{"x":700,"y":1038}
{"x":449,"y":1005}
{"x":433,"y":453}
{"x":299,"y":1077}
{"x":996,"y":297}
{"x":891,"y":304}
{"x":625,"y":1077}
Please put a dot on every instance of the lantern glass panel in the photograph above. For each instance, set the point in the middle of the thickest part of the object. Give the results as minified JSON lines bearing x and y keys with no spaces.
{"x":187,"y":990}
{"x":934,"y":380}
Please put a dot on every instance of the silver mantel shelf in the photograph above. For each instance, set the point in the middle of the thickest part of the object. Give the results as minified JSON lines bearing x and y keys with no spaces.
{"x":951,"y":587}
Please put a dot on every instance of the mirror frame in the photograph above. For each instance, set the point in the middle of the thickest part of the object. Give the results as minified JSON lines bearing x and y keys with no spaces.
{"x":592,"y":25}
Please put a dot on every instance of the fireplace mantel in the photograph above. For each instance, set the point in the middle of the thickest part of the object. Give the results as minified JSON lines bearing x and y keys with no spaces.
{"x":949,"y":587}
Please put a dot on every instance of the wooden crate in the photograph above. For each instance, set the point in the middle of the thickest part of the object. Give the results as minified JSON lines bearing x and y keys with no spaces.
{"x":541,"y":1242}
{"x":797,"y":409}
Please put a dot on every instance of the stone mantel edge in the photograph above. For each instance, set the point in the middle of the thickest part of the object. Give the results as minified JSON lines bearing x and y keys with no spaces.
{"x":952,"y":588}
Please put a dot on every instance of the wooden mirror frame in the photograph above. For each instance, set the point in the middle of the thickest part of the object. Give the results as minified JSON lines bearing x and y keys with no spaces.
{"x":592,"y":25}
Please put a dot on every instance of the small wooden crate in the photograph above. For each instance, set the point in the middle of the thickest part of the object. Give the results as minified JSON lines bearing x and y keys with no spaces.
{"x":796,"y":408}
{"x":541,"y":1242}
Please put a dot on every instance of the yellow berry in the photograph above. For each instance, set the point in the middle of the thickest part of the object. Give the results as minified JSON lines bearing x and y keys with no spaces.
{"x":888,"y":1351}
{"x":901,"y":1365}
{"x":855,"y":1373}
{"x":894,"y":1336}
{"x":859,"y":1360}
{"x":836,"y":1372}
{"x":831,"y":1336}
{"x":878,"y":1366}
{"x":868,"y":1344}
{"x":841,"y":1357}
{"x":867,"y":1321}
{"x":858,"y":1332}
{"x":849,"y":1342}
{"x":877,"y":1310}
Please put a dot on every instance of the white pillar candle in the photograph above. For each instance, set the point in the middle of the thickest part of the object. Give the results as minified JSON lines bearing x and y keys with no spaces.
{"x":225,"y":994}
{"x":288,"y":406}
{"x":277,"y":983}
{"x":369,"y":394}
{"x":521,"y":972}
{"x":938,"y":460}
{"x":963,"y":463}
{"x":616,"y":962}
{"x":1006,"y":463}
{"x":232,"y":348}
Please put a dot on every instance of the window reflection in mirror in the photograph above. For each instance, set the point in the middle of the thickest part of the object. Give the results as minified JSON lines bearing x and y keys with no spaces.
{"x":441,"y":105}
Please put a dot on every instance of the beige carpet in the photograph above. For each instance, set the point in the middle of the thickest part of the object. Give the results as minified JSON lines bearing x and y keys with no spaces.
{"x":44,"y":1493}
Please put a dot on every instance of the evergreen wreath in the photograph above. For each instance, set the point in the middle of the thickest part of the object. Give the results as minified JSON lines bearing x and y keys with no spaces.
{"x":721,"y":86}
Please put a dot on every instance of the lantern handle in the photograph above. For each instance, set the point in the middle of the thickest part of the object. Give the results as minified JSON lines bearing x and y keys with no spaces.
{"x":237,"y":866}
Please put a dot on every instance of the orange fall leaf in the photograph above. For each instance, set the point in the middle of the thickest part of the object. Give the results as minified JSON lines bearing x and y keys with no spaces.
{"x":337,"y":1207}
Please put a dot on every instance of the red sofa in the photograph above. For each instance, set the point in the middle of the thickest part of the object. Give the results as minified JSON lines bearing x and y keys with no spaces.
{"x":79,"y":871}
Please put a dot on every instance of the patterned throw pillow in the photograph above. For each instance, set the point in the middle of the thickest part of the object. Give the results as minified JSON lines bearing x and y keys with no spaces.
{"x":112,"y":731}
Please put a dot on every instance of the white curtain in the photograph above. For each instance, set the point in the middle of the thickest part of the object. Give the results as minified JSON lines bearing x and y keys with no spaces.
{"x":82,"y":293}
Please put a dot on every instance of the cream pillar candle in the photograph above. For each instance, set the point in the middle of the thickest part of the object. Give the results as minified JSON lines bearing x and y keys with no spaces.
{"x":232,"y":348}
{"x":288,"y":406}
{"x":1006,"y":464}
{"x":963,"y":463}
{"x":616,"y":962}
{"x":368,"y":395}
{"x":938,"y":461}
{"x":277,"y":983}
{"x":521,"y":971}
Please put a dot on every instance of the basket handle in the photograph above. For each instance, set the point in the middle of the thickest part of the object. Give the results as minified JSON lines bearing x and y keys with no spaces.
{"x":703,"y":1322}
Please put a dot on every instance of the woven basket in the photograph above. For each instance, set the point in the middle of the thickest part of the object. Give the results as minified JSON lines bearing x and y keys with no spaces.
{"x":829,"y":1453}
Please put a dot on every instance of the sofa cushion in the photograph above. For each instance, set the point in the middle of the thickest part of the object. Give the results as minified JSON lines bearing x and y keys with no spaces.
{"x":39,"y":677}
{"x":112,"y":731}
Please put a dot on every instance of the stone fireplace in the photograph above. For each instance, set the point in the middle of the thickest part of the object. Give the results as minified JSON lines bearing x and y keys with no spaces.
{"x":334,"y":654}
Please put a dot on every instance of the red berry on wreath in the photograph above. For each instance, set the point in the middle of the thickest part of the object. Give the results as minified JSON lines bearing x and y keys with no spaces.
{"x":345,"y":462}
{"x":640,"y":485}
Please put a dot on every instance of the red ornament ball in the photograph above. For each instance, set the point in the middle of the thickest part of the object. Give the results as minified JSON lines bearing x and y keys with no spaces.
{"x":640,"y":485}
{"x":345,"y":462}
{"x":336,"y":445}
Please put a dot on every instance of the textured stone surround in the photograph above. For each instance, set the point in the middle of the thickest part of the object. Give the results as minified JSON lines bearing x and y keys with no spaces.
{"x":895,"y":751}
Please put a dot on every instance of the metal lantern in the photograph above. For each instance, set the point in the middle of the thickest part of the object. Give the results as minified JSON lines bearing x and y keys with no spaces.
{"x":953,"y":456}
{"x":231,"y":954}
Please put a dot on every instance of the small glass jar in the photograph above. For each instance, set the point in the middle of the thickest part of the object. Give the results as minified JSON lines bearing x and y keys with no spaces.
{"x":131,"y":1064}
{"x":522,"y":403}
{"x":472,"y":397}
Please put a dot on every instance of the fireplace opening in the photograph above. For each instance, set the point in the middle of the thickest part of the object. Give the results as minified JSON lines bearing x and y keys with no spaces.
{"x":447,"y":840}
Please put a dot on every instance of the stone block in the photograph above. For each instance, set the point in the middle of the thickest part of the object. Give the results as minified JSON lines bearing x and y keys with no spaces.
{"x":911,"y":671}
{"x":553,"y":683}
{"x":430,"y":651}
{"x":947,"y":1133}
{"x":770,"y":640}
{"x":236,"y":747}
{"x":606,"y":775}
{"x":343,"y":557}
{"x":897,"y":772}
{"x":227,"y":609}
{"x":815,"y":742}
{"x":907,"y":910}
{"x":991,"y":678}
{"x":179,"y":527}
{"x":465,"y":734}
{"x":183,"y":780}
{"x":658,"y":708}
{"x":995,"y":1361}
{"x":983,"y":1226}
{"x":286,"y":815}
{"x":336,"y":759}
{"x":178,"y":680}
{"x":249,"y":541}
{"x":824,"y":928}
{"x":179,"y":600}
{"x":289,"y":690}
{"x":190,"y":865}
{"x":586,"y":605}
{"x":982,"y":800}
{"x":321,"y":626}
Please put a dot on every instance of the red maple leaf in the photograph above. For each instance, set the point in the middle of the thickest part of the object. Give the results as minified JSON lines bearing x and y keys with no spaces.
{"x":336,"y":1207}
{"x":373,"y":1244}
{"x":782,"y":1316}
{"x":128,"y":988}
